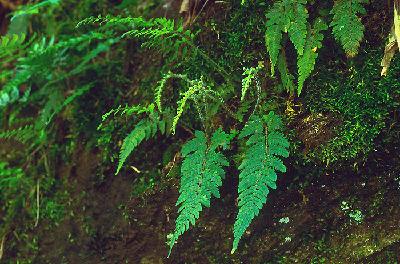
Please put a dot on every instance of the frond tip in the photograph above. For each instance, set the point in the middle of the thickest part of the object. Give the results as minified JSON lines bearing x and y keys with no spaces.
{"x":265,"y":148}
{"x":145,"y":129}
{"x":201,"y":176}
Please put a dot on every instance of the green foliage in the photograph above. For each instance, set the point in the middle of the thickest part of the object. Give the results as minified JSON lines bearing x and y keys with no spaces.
{"x":10,"y":44}
{"x":306,"y":61}
{"x":14,"y":194}
{"x":346,"y":25}
{"x":201,"y":176}
{"x":159,"y":33}
{"x":286,"y":77}
{"x":34,"y":8}
{"x":249,"y":75}
{"x":145,"y":129}
{"x":286,"y":17}
{"x":265,"y":148}
{"x":57,"y":79}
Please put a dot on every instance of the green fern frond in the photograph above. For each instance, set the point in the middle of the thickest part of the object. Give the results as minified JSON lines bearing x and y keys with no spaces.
{"x":10,"y":44}
{"x":128,"y":111}
{"x":346,"y":24}
{"x":285,"y":16}
{"x":286,"y":77}
{"x":306,"y":62}
{"x":273,"y":33}
{"x":160,"y":33}
{"x":265,"y":147}
{"x":161,"y":85}
{"x":193,"y":88}
{"x":33,"y":8}
{"x":249,"y":75}
{"x":201,"y":176}
{"x":22,"y":134}
{"x":145,"y":129}
{"x":60,"y":106}
{"x":297,"y":29}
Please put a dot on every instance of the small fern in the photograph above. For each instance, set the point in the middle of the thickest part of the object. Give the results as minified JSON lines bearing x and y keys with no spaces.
{"x":265,"y":147}
{"x":249,"y":75}
{"x":10,"y":44}
{"x":145,"y":129}
{"x":201,"y":176}
{"x":161,"y":86}
{"x":286,"y":77}
{"x":22,"y":134}
{"x":346,"y":25}
{"x":306,"y":62}
{"x":290,"y":17}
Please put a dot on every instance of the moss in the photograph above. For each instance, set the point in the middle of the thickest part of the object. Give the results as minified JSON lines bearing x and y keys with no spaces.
{"x":360,"y":98}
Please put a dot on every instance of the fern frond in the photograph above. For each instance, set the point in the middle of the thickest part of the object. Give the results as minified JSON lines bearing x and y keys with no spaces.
{"x":128,"y":111}
{"x":161,"y":85}
{"x":285,"y":16}
{"x":265,"y":147}
{"x":346,"y":24}
{"x":10,"y":44}
{"x":33,"y":8}
{"x":286,"y":77}
{"x":306,"y":62}
{"x":201,"y":176}
{"x":249,"y":75}
{"x":60,"y":106}
{"x":297,"y":30}
{"x":145,"y":129}
{"x":194,"y":87}
{"x":273,"y":33}
{"x":22,"y":134}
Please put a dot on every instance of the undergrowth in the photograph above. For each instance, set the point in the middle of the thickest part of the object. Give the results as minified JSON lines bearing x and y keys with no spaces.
{"x":116,"y":76}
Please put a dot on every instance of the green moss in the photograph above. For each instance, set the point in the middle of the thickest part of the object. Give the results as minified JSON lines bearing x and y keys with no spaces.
{"x":361,"y":99}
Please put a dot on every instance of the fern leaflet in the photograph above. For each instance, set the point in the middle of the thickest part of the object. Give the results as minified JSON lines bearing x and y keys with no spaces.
{"x":249,"y":75}
{"x":347,"y":26}
{"x":265,"y":147}
{"x":289,"y":17}
{"x":286,"y":77}
{"x":145,"y":129}
{"x":306,"y":62}
{"x":201,"y":176}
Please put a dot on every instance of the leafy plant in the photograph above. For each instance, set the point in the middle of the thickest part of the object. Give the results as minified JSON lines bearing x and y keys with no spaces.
{"x":265,"y":147}
{"x":346,"y":25}
{"x":201,"y":176}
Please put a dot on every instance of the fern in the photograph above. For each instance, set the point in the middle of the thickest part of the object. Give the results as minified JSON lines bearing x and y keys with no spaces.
{"x":290,"y":17}
{"x":34,"y":8}
{"x":10,"y":44}
{"x":56,"y":107}
{"x":346,"y":25}
{"x":306,"y":62}
{"x":160,"y":33}
{"x":297,"y":29}
{"x":265,"y":147}
{"x":201,"y":176}
{"x":161,"y":85}
{"x":145,"y":129}
{"x":127,"y":111}
{"x":286,"y":77}
{"x":195,"y":87}
{"x":22,"y":134}
{"x":198,"y":92}
{"x":249,"y":75}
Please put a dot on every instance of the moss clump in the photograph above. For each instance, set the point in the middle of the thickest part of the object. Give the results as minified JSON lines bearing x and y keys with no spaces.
{"x":361,"y":99}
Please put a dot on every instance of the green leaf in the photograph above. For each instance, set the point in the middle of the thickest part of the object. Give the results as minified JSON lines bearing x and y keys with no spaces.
{"x":266,"y":145}
{"x":201,"y":176}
